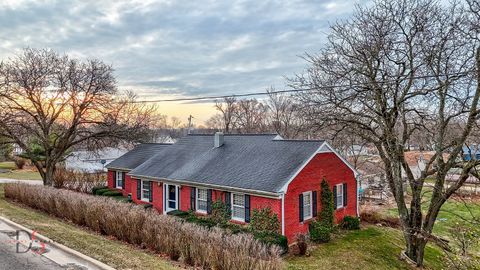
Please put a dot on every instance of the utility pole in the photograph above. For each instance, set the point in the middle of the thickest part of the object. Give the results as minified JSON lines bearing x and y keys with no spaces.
{"x":189,"y":124}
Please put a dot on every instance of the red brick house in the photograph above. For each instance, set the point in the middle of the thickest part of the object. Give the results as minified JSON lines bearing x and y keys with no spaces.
{"x":245,"y":171}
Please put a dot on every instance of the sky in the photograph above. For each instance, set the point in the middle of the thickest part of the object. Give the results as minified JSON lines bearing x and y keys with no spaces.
{"x":172,"y":49}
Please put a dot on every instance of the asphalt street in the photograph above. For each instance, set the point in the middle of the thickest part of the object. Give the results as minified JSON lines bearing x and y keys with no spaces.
{"x":32,"y":182}
{"x":11,"y":260}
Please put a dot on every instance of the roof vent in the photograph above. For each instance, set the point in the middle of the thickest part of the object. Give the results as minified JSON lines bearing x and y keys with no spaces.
{"x":218,"y":139}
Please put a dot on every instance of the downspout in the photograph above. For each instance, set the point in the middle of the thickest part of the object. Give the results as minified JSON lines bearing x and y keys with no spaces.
{"x":164,"y":203}
{"x":283,"y":213}
{"x":357,"y":178}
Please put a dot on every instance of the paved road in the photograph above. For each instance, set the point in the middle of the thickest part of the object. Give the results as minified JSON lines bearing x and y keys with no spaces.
{"x":10,"y":260}
{"x":32,"y":182}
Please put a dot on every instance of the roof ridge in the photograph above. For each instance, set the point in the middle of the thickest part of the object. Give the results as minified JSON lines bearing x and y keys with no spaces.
{"x":156,"y":143}
{"x":243,"y":134}
{"x":298,"y":140}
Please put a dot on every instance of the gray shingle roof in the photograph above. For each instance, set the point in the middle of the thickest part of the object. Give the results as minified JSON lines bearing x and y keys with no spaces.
{"x":256,"y":162}
{"x":137,"y":156}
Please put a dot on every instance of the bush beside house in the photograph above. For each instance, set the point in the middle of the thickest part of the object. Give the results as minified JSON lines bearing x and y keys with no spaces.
{"x":320,"y":230}
{"x":351,"y":223}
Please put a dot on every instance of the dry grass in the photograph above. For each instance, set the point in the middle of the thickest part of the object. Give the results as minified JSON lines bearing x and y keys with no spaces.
{"x":194,"y":245}
{"x":374,"y":217}
{"x":78,"y":181}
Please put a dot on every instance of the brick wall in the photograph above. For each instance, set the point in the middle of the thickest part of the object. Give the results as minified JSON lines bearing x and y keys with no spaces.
{"x":110,"y":183}
{"x":326,"y":165}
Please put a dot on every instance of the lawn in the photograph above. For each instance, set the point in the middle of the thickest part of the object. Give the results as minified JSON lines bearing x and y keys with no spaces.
{"x":21,"y":175}
{"x":452,"y":212}
{"x":370,"y":248}
{"x":114,"y":253}
{"x":25,"y":174}
{"x":7,"y":165}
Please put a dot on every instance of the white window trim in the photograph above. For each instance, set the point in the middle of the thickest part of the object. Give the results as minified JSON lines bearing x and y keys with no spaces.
{"x":311,"y":205}
{"x":343,"y":199}
{"x":196,"y":201}
{"x":118,"y":175}
{"x":167,"y":209}
{"x":142,"y":189}
{"x":243,"y":206}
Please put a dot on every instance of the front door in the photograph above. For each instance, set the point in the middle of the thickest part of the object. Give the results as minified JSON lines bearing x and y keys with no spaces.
{"x":171,"y":198}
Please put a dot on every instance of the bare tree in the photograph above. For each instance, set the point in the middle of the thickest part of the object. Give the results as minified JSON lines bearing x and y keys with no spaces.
{"x":251,"y":116}
{"x":57,"y":103}
{"x":283,"y":114}
{"x":227,"y":109}
{"x":215,"y":122}
{"x":351,"y":146}
{"x":386,"y":73}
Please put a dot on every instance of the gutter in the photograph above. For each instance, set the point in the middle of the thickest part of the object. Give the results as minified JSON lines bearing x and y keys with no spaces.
{"x":283,"y":213}
{"x":273,"y":195}
{"x":118,"y":169}
{"x":357,"y":178}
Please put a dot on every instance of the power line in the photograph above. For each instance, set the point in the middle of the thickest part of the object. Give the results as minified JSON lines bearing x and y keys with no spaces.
{"x":285,"y":91}
{"x":224,"y":96}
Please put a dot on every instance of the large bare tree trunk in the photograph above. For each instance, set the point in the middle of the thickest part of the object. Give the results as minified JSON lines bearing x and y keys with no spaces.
{"x":395,"y":69}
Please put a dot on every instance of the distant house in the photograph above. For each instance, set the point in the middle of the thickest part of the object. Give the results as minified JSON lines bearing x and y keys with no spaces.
{"x":471,"y":151}
{"x":357,"y":150}
{"x":89,"y":161}
{"x":17,"y":150}
{"x":246,"y":172}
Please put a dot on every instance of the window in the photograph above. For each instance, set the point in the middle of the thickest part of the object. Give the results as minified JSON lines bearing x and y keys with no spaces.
{"x":201,"y":200}
{"x":339,"y":196}
{"x":145,"y":191}
{"x":119,"y":178}
{"x":238,"y":207}
{"x":307,"y":205}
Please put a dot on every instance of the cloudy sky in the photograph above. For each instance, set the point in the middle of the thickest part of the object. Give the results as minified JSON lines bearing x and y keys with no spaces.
{"x":170,"y":48}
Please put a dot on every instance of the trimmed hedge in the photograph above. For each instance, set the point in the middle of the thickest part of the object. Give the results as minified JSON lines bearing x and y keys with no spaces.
{"x":196,"y":245}
{"x":178,"y":213}
{"x":112,"y":193}
{"x":101,"y":191}
{"x":94,"y":189}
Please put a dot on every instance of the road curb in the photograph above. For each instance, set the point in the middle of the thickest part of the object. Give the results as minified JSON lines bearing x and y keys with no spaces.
{"x":58,"y":245}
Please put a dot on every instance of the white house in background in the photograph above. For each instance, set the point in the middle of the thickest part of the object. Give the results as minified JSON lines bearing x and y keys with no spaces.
{"x":357,"y":150}
{"x":17,"y":150}
{"x":164,"y":139}
{"x":88,"y":161}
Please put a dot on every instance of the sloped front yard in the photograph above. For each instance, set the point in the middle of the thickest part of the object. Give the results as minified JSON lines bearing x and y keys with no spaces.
{"x":370,"y":248}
